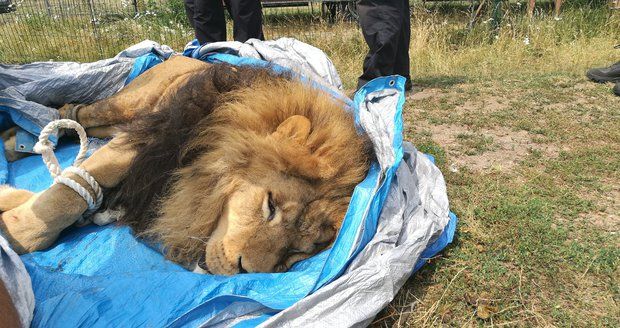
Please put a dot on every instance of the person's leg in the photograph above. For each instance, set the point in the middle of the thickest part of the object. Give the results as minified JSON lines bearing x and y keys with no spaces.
{"x":209,"y":22}
{"x":382,"y":24}
{"x":189,"y":11}
{"x":247,"y":19}
{"x":401,"y":63}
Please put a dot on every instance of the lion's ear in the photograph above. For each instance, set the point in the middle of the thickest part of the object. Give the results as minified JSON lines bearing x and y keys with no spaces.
{"x":296,"y":127}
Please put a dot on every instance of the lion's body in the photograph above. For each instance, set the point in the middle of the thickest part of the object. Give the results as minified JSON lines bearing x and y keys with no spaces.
{"x":247,"y":168}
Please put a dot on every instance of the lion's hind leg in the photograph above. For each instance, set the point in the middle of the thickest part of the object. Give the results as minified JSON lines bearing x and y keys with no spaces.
{"x":102,"y":118}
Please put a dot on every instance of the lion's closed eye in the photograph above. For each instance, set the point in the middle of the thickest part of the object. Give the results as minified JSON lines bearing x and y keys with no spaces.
{"x":269,"y":207}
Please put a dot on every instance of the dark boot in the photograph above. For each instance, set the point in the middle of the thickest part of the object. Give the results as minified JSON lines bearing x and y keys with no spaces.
{"x":605,"y":74}
{"x":617,"y":89}
{"x":408,"y":85}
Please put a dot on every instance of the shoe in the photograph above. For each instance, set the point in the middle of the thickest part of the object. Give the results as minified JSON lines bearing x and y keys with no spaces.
{"x":605,"y":74}
{"x":408,"y":85}
{"x":617,"y":89}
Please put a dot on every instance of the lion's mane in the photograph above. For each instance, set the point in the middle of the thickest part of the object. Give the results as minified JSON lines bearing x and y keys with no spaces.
{"x":194,"y":141}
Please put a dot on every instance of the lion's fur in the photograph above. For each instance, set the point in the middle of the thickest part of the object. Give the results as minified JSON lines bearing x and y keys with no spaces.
{"x":220,"y":126}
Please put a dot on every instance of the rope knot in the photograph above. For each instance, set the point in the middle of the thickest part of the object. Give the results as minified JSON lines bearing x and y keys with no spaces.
{"x":43,"y":146}
{"x":46,"y":148}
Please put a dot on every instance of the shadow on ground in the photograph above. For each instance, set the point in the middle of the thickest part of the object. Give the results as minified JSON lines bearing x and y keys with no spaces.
{"x":439,"y":81}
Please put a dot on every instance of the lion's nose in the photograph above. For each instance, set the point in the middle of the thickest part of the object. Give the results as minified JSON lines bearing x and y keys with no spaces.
{"x":240,"y":266}
{"x":280,"y":268}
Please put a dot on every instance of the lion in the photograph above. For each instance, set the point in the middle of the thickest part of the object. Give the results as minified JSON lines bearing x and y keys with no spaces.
{"x":235,"y":169}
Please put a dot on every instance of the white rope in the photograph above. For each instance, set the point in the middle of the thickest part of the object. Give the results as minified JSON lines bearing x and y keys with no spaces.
{"x":46,"y":148}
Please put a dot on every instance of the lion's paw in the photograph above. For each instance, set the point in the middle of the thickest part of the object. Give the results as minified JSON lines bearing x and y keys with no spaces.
{"x":69,"y":111}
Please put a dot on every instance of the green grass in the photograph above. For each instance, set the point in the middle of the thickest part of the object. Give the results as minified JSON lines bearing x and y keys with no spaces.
{"x":475,"y":143}
{"x":530,"y":151}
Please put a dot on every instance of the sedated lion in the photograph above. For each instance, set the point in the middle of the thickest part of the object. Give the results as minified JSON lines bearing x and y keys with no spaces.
{"x":237,"y":169}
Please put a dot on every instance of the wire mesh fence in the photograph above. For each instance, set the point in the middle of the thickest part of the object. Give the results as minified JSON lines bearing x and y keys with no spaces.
{"x":86,"y":30}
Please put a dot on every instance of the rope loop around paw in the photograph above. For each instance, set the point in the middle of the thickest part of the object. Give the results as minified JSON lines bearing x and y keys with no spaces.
{"x":46,"y":148}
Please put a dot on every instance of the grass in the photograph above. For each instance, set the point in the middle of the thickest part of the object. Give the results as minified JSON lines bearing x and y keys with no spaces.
{"x":475,"y":143}
{"x":530,"y":150}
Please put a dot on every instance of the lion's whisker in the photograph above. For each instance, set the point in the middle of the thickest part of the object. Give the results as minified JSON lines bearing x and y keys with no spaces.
{"x":203,"y":240}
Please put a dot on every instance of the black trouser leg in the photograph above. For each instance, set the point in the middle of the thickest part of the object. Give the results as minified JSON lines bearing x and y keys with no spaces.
{"x":207,"y":18}
{"x":189,"y":11}
{"x":386,"y":29}
{"x":247,"y":18}
{"x":401,"y":63}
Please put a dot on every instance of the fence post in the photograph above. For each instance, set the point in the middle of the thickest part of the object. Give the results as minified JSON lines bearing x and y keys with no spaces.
{"x":530,"y":8}
{"x":48,"y":7}
{"x":61,"y":7}
{"x":93,"y":20}
{"x":497,"y":15}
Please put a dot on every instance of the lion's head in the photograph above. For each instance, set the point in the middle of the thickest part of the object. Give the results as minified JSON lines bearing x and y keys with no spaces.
{"x":269,"y":176}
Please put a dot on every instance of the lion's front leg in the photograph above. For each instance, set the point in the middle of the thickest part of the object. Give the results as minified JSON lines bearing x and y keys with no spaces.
{"x":38,"y":219}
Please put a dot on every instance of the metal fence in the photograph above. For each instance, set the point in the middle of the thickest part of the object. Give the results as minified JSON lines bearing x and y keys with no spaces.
{"x":86,"y":30}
